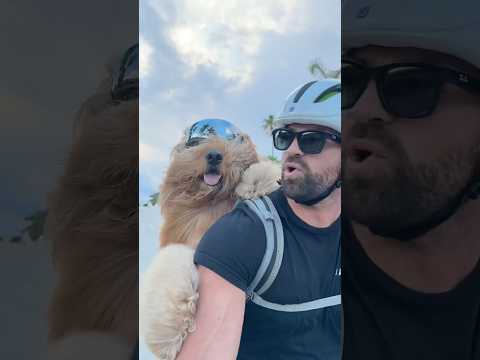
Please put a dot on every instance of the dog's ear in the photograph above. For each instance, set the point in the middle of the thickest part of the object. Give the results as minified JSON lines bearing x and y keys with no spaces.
{"x":181,"y":144}
{"x":177,"y":149}
{"x":100,"y":99}
{"x":247,"y":140}
{"x":244,"y":138}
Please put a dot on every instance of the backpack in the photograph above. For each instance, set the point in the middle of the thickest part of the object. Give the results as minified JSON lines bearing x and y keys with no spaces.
{"x":267,"y":272}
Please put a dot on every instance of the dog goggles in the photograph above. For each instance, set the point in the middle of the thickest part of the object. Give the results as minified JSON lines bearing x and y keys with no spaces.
{"x":309,"y":141}
{"x":125,"y":80}
{"x":206,"y":128}
{"x":407,"y":90}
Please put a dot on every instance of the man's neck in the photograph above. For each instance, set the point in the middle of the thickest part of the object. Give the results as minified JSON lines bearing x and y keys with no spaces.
{"x":434,"y":262}
{"x":322,"y":214}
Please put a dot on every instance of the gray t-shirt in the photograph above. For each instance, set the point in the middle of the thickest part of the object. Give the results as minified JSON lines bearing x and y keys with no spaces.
{"x":234,"y":247}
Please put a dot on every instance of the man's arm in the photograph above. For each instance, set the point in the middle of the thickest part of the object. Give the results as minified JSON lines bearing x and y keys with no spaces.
{"x":219,"y":320}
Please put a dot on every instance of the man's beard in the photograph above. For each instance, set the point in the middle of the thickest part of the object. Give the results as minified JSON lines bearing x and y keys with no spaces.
{"x":309,"y":186}
{"x":409,"y":195}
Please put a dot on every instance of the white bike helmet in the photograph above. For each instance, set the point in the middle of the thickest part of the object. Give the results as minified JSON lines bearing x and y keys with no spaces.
{"x":317,"y":102}
{"x":448,"y":27}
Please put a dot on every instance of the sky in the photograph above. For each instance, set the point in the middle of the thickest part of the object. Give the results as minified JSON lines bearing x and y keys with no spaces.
{"x":236,"y":59}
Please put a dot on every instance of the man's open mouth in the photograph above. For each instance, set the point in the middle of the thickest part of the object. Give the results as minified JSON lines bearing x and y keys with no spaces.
{"x":361,"y":151}
{"x":212,"y":179}
{"x":291,"y":168}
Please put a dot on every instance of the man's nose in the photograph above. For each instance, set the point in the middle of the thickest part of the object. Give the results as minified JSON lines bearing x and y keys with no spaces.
{"x":294,"y":149}
{"x":367,"y":109}
{"x":214,"y":157}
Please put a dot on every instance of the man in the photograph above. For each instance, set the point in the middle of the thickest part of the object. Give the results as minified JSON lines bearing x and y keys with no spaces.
{"x":229,"y":324}
{"x":411,"y":167}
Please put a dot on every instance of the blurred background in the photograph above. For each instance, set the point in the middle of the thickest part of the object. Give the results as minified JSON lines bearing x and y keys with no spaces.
{"x":53,"y":58}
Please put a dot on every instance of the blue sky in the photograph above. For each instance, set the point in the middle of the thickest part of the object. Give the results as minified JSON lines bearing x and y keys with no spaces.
{"x":236,"y":59}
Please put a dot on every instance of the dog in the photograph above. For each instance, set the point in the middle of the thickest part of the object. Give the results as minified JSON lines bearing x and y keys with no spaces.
{"x":202,"y":183}
{"x":92,"y":225}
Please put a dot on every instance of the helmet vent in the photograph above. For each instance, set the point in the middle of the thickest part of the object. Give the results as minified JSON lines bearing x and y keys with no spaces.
{"x":302,"y":91}
{"x":327,"y":94}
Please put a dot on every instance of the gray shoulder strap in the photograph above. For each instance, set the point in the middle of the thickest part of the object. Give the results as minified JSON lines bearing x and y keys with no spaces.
{"x":272,"y":260}
{"x":266,"y":212}
{"x":306,"y":306}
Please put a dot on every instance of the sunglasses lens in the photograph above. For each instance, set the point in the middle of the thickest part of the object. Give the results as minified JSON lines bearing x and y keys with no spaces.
{"x":312,"y":143}
{"x":354,"y":81}
{"x":410,"y":91}
{"x":282,"y":138}
{"x":206,"y":128}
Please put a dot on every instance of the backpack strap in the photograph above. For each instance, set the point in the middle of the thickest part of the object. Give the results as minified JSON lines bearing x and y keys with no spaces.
{"x":272,"y":258}
{"x":268,"y":270}
{"x":306,"y":306}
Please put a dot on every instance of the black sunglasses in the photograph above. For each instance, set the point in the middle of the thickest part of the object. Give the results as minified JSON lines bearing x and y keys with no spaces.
{"x":309,"y":141}
{"x":408,"y":90}
{"x":125,"y":80}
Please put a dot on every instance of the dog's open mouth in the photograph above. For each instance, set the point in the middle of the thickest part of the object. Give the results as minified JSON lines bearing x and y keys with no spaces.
{"x":212,"y":179}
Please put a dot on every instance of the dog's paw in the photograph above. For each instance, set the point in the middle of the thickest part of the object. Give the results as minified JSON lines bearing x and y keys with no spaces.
{"x":168,"y":300}
{"x":259,"y":179}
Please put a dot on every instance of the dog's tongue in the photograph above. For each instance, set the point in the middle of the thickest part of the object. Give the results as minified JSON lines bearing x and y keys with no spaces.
{"x":211,"y":179}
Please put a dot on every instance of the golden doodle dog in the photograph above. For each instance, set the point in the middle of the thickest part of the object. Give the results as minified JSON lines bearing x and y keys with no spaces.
{"x":92,"y":225}
{"x":212,"y":167}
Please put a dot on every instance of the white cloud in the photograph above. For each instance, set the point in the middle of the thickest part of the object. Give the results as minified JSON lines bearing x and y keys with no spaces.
{"x":145,"y":57}
{"x":225,"y":36}
{"x":204,"y":50}
{"x":150,"y":153}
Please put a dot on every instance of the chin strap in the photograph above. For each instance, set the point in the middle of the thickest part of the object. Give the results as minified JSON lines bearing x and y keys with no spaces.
{"x":323,"y":195}
{"x":472,"y":192}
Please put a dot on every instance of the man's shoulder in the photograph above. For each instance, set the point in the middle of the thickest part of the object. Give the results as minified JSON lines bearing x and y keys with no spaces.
{"x":242,"y":217}
{"x":233,"y":247}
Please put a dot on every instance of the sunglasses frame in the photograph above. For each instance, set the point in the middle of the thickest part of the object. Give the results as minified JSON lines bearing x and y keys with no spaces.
{"x":333,"y":136}
{"x":442,"y":75}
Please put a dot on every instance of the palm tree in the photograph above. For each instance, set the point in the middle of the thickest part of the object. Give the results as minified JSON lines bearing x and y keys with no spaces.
{"x":36,"y":227}
{"x":318,"y":67}
{"x":153,"y":200}
{"x":268,"y":127}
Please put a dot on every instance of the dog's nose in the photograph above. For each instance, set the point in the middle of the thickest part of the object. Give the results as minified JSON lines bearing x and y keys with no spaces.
{"x":214,"y":157}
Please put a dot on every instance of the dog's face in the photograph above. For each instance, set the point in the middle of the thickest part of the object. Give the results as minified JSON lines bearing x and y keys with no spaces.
{"x":209,"y":171}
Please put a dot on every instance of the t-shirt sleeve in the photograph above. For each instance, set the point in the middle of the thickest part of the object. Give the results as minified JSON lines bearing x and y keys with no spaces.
{"x":233,"y":247}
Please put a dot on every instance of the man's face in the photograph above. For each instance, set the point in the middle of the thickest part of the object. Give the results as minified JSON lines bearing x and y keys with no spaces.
{"x":399,"y":172}
{"x":306,"y":176}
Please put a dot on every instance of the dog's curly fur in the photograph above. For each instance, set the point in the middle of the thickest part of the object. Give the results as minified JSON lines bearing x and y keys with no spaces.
{"x":93,"y":224}
{"x":189,"y":207}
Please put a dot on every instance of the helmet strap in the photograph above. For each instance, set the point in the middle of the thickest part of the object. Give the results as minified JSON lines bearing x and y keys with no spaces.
{"x":322,"y":196}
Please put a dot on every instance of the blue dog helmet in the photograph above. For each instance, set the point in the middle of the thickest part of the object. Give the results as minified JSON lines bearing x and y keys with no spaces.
{"x":206,"y":128}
